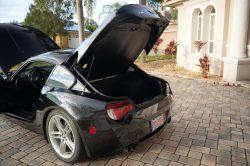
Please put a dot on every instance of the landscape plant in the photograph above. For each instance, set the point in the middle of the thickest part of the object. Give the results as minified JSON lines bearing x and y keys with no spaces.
{"x":171,"y":48}
{"x":199,"y":44}
{"x":155,"y":48}
{"x":204,"y":64}
{"x":204,"y":60}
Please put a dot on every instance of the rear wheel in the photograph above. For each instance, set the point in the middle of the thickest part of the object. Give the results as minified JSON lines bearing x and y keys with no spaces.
{"x":63,"y":137}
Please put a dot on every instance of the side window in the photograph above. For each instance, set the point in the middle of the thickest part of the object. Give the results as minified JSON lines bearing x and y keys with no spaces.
{"x":61,"y":78}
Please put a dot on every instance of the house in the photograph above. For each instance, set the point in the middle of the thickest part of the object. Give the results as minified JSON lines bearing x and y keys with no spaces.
{"x":224,"y":25}
{"x":72,"y":40}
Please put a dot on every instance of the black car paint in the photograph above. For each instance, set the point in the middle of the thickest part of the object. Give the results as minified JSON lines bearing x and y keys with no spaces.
{"x":111,"y":137}
{"x":89,"y":109}
{"x":20,"y":42}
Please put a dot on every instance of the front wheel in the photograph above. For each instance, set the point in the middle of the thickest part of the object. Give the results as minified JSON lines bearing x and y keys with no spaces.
{"x":63,"y":137}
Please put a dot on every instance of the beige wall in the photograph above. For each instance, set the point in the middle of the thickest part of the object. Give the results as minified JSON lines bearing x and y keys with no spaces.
{"x":62,"y":41}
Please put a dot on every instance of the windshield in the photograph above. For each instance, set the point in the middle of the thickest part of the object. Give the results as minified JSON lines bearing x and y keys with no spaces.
{"x":33,"y":65}
{"x":39,"y":65}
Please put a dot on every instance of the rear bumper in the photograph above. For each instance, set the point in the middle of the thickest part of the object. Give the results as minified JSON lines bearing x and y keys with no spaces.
{"x":111,"y":137}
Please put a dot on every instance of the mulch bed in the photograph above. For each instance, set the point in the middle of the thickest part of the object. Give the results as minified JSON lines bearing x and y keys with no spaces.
{"x":165,"y":66}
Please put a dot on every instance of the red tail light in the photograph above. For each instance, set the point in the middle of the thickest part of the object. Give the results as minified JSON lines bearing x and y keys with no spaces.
{"x":117,"y":110}
{"x":168,"y":90}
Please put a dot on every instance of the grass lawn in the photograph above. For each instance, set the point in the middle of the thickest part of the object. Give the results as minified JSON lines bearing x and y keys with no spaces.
{"x":152,"y":58}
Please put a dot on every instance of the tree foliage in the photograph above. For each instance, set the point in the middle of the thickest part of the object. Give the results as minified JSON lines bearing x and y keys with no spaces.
{"x":109,"y":8}
{"x":14,"y":22}
{"x":156,"y":4}
{"x":89,"y":6}
{"x":50,"y":16}
{"x":90,"y":24}
{"x":174,"y":13}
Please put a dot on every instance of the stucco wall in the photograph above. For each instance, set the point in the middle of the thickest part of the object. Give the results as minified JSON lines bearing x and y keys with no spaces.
{"x":187,"y":55}
{"x":63,"y":41}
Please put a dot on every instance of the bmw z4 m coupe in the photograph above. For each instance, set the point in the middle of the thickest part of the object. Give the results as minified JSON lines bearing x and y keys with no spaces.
{"x":92,"y":101}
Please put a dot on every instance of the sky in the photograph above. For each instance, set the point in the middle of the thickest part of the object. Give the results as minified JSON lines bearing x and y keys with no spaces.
{"x":17,"y":9}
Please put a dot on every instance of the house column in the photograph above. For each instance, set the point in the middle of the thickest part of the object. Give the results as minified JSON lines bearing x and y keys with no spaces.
{"x":237,"y":65}
{"x":240,"y":29}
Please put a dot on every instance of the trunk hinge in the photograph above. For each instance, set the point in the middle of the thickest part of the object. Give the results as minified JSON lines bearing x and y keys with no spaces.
{"x":88,"y":75}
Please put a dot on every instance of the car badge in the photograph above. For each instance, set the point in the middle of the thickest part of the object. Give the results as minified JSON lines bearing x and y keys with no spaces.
{"x":140,"y":12}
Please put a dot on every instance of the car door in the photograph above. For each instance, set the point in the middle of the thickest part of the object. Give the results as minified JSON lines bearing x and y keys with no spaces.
{"x":4,"y":94}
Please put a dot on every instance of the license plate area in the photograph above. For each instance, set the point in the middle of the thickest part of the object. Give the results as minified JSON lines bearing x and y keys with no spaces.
{"x":157,"y":122}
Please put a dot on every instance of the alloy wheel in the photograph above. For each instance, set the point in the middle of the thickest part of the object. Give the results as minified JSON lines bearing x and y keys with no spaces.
{"x":61,"y":136}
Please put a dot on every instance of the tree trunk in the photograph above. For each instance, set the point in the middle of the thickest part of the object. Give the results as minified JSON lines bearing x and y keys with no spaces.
{"x":143,"y":56}
{"x":54,"y":38}
{"x":142,"y":2}
{"x":80,"y":20}
{"x":143,"y":53}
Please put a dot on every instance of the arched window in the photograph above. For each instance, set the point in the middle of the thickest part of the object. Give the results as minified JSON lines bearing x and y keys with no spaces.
{"x":199,"y":28}
{"x":211,"y":31}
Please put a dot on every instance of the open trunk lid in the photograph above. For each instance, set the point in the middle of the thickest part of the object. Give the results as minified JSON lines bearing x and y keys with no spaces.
{"x":119,"y":40}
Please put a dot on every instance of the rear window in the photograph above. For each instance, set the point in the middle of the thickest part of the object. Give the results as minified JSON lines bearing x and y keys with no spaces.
{"x":61,"y":78}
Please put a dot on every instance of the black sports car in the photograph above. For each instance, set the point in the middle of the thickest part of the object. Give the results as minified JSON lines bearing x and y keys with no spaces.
{"x":92,"y":101}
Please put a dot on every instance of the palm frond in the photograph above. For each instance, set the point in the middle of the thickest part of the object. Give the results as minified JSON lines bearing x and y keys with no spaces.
{"x":109,"y":8}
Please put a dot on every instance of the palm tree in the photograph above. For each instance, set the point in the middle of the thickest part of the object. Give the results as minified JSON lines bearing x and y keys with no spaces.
{"x":80,"y":18}
{"x":89,"y":5}
{"x":109,"y":8}
{"x":143,"y":53}
{"x":174,"y":13}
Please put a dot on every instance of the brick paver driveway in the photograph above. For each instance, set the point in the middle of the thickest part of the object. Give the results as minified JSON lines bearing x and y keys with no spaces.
{"x":211,"y":126}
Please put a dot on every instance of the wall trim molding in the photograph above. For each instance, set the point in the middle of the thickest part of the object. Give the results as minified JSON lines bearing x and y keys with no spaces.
{"x":188,"y":3}
{"x":236,"y":61}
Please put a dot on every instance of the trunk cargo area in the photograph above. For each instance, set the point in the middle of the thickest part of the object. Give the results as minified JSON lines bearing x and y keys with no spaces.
{"x":139,"y":87}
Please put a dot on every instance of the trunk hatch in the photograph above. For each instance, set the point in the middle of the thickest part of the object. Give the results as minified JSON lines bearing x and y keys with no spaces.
{"x":119,"y":40}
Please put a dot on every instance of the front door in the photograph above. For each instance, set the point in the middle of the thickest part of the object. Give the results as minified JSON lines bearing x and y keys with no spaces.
{"x":4,"y":94}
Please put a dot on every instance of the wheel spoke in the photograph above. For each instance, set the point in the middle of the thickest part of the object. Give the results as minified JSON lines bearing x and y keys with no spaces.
{"x":67,"y":129}
{"x":54,"y":134}
{"x":58,"y":124}
{"x":62,"y":147}
{"x":70,"y":145}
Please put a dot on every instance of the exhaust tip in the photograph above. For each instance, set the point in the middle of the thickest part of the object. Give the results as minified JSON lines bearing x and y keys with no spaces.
{"x":169,"y":119}
{"x":135,"y":145}
{"x":130,"y":146}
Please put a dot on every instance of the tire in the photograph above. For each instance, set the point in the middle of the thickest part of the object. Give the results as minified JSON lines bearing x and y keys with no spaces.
{"x":64,"y":138}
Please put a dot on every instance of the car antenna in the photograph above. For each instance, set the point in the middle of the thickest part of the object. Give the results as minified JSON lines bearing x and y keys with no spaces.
{"x":88,"y":74}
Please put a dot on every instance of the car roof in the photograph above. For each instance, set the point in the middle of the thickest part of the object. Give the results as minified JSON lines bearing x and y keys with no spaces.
{"x":56,"y":57}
